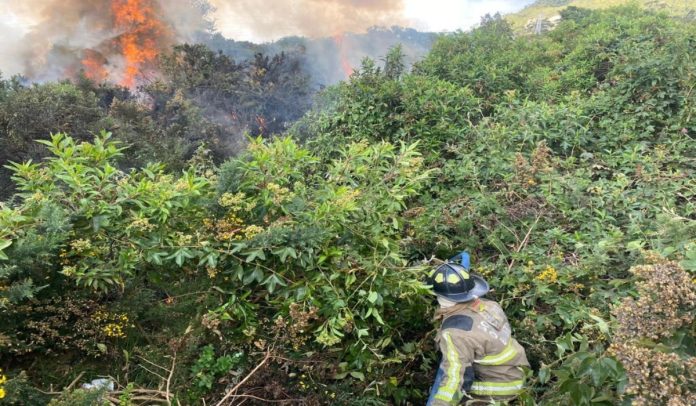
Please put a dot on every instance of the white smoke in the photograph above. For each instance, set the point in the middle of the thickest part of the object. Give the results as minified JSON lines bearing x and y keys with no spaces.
{"x":265,"y":20}
{"x":46,"y":39}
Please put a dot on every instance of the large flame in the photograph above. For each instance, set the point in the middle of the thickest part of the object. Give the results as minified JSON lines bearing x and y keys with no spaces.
{"x":139,"y":42}
{"x":138,"y":35}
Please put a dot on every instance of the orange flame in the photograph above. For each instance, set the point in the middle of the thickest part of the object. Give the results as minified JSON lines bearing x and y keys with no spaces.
{"x":140,"y":37}
{"x":93,"y":63}
{"x":141,"y":29}
{"x":339,"y":39}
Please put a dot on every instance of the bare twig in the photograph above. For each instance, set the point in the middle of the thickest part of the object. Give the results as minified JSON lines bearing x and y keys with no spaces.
{"x":67,"y":388}
{"x":169,"y":379}
{"x":266,"y":400}
{"x":253,"y":371}
{"x":524,"y":242}
{"x":152,"y":363}
{"x":49,"y":392}
{"x":529,"y":232}
{"x":152,"y":372}
{"x":148,"y":399}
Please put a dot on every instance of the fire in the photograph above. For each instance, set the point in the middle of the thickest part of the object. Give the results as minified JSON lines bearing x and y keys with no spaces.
{"x":141,"y":29}
{"x":339,"y":39}
{"x":93,"y":63}
{"x":138,"y":37}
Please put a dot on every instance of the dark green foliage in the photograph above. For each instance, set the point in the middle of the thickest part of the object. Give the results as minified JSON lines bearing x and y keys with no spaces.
{"x":490,"y":61}
{"x":422,"y":108}
{"x":208,"y":367}
{"x":81,"y":397}
{"x":32,"y":113}
{"x":203,"y":98}
{"x":261,"y":96}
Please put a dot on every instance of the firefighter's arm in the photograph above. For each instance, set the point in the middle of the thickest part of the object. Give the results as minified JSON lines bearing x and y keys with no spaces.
{"x":456,"y":373}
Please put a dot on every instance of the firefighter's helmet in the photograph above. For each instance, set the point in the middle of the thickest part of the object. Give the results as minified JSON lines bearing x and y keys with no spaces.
{"x":454,"y":282}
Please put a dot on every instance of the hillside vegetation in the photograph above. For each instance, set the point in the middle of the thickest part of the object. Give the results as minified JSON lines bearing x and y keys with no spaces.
{"x":293,"y":272}
{"x":546,"y":9}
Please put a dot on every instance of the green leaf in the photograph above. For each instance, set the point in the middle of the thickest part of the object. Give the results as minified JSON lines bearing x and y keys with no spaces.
{"x":284,"y":253}
{"x":181,"y":255}
{"x":4,"y":244}
{"x":376,"y":315}
{"x":272,"y":281}
{"x":544,"y":374}
{"x":156,"y":257}
{"x":255,"y":254}
{"x":580,"y":393}
{"x":248,"y":278}
{"x":372,"y":297}
{"x":98,"y":222}
{"x":601,"y":324}
{"x":358,"y":375}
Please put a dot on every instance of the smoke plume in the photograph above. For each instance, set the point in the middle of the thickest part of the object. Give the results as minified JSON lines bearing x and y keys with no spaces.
{"x":119,"y":40}
{"x":116,"y":40}
{"x":271,"y":19}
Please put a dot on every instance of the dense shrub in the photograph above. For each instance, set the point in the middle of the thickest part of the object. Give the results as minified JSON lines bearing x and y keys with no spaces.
{"x":199,"y":98}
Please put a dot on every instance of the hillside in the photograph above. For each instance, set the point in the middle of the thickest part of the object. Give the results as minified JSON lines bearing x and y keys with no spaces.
{"x":330,"y":60}
{"x":182,"y":263}
{"x":545,"y":9}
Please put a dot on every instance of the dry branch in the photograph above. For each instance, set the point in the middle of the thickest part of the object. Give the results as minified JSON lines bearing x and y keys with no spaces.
{"x":253,"y":371}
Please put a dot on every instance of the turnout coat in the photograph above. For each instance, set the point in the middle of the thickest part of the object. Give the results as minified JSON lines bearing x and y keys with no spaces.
{"x":480,"y":359}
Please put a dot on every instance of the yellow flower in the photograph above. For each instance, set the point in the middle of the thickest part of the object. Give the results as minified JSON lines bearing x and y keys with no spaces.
{"x":279,"y":194}
{"x":69,"y":271}
{"x":231,"y":201}
{"x":81,"y":245}
{"x":548,"y":275}
{"x":212,"y":272}
{"x":252,"y":231}
{"x":2,"y":393}
{"x":114,"y":330}
{"x":181,"y":185}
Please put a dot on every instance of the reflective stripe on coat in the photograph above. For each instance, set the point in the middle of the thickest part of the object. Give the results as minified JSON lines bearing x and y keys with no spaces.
{"x":479,"y":355}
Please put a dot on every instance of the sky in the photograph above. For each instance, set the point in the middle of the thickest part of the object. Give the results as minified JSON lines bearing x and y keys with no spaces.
{"x":451,"y":15}
{"x":425,"y":15}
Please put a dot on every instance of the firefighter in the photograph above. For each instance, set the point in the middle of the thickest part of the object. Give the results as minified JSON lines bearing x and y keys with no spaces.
{"x":481,"y":362}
